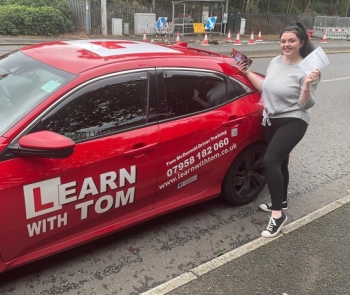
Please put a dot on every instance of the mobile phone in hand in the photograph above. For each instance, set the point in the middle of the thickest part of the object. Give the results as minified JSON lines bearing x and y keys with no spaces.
{"x":240,"y":57}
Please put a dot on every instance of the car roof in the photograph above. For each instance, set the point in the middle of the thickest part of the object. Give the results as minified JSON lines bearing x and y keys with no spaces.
{"x":77,"y":56}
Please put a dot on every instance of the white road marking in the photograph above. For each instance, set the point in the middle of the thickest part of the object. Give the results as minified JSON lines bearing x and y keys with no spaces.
{"x":337,"y":79}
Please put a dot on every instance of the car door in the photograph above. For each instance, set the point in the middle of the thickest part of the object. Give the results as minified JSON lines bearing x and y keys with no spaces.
{"x":109,"y":179}
{"x":198,"y":137}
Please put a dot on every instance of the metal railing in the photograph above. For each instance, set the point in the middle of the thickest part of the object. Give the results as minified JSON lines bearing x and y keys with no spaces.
{"x":268,"y":23}
{"x":333,"y":27}
{"x":273,"y":23}
{"x":125,"y":12}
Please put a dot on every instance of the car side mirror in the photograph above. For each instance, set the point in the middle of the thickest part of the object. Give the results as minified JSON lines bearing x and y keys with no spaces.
{"x":43,"y":144}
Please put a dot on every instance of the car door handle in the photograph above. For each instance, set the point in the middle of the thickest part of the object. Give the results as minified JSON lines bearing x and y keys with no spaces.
{"x":140,"y":151}
{"x":232,"y":122}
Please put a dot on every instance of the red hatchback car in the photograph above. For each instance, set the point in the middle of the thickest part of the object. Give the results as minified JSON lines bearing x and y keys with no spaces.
{"x":98,"y":135}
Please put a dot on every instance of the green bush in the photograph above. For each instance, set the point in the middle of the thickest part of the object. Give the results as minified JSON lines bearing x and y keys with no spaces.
{"x":58,"y":4}
{"x":35,"y":21}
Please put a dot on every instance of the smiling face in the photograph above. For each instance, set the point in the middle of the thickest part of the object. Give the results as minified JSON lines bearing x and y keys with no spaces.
{"x":290,"y":45}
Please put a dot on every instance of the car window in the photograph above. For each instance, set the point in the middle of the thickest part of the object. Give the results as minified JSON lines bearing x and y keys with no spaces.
{"x":24,"y":84}
{"x":188,"y":92}
{"x":236,"y":89}
{"x":102,"y":107}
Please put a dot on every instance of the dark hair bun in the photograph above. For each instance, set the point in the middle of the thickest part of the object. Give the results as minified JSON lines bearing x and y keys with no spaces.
{"x":301,"y":26}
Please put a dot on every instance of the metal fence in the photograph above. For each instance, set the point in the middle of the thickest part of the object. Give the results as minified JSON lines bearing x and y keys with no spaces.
{"x":78,"y":9}
{"x":268,"y":23}
{"x":273,"y":23}
{"x":333,"y":27}
{"x":92,"y":18}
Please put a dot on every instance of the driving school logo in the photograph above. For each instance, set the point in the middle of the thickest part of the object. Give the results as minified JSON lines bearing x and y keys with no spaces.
{"x":51,"y":195}
{"x":42,"y":197}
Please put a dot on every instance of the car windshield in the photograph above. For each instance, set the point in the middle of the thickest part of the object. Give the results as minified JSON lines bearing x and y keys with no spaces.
{"x":24,"y":84}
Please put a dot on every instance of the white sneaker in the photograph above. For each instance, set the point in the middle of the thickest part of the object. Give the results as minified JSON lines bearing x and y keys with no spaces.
{"x":274,"y":226}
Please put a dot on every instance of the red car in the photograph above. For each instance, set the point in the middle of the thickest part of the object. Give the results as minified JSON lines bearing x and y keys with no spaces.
{"x":98,"y":135}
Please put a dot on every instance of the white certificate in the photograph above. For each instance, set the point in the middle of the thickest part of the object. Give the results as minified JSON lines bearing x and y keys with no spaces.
{"x":316,"y":59}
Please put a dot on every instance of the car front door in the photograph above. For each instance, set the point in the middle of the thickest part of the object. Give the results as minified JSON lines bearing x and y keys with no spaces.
{"x":109,"y":179}
{"x":199,"y":134}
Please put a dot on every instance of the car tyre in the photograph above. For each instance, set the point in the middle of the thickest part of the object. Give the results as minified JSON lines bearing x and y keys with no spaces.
{"x":245,"y":178}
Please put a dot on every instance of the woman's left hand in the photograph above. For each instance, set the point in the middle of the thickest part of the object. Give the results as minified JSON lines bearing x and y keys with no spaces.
{"x":314,"y":76}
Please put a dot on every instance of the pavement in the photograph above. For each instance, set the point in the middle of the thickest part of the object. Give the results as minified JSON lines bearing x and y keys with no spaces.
{"x":267,"y":47}
{"x":191,"y":39}
{"x":194,"y":38}
{"x":310,"y":256}
{"x":213,"y":39}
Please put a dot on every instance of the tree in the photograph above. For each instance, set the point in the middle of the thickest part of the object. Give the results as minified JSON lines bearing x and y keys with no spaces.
{"x":306,"y":5}
{"x":347,"y":9}
{"x":272,"y":6}
{"x":290,"y":6}
{"x":248,"y":5}
{"x":334,"y":10}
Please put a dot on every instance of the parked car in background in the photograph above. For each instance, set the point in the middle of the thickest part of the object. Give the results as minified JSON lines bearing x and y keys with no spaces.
{"x":98,"y":135}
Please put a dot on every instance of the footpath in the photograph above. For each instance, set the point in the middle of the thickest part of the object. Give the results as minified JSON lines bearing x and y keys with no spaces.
{"x":268,"y":47}
{"x":311,"y":255}
{"x":254,"y":45}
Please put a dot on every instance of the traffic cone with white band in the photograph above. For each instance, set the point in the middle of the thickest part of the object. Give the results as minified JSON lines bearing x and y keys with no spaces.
{"x":259,"y":37}
{"x":228,"y":39}
{"x":177,"y":38}
{"x":144,"y":39}
{"x":238,"y":42}
{"x":251,"y":41}
{"x":205,"y":41}
{"x":324,"y":38}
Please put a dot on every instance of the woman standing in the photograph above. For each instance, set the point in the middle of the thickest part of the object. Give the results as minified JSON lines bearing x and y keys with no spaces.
{"x":288,"y":95}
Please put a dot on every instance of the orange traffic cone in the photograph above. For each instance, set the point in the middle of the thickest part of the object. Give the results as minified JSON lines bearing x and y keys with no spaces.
{"x":228,"y":39}
{"x":144,"y":39}
{"x":205,"y":41}
{"x":251,"y":41}
{"x":324,"y":38}
{"x":238,"y":42}
{"x":259,"y":37}
{"x":177,"y":38}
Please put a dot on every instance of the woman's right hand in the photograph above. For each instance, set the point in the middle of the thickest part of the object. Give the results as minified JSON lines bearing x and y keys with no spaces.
{"x":242,"y":67}
{"x":254,"y":79}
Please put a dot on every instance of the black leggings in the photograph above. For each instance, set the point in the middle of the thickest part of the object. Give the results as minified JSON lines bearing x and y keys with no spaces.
{"x":282,"y":136}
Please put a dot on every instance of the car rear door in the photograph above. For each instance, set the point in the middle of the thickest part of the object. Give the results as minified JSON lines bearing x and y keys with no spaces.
{"x":109,"y":179}
{"x":198,"y":141}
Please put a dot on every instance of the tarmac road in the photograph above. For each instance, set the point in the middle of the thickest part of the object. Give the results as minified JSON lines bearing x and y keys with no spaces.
{"x":146,"y":256}
{"x":313,"y":260}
